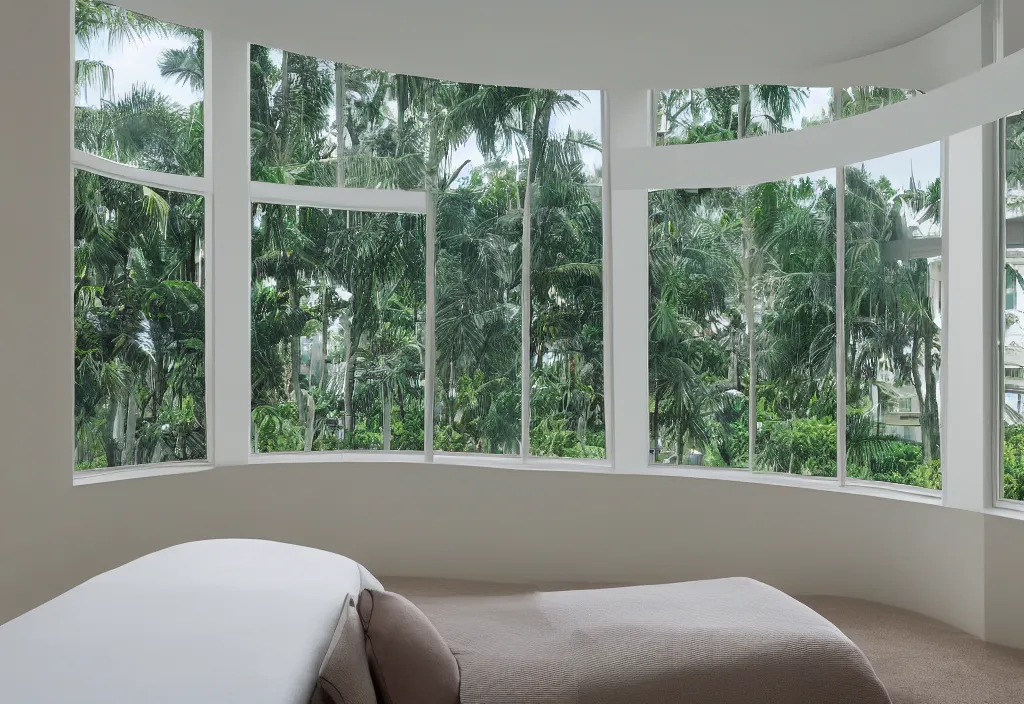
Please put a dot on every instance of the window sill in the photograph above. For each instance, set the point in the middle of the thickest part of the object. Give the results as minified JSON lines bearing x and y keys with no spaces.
{"x":596,"y":466}
{"x":471,"y":460}
{"x":1007,"y":508}
{"x":116,"y":474}
{"x":854,"y":486}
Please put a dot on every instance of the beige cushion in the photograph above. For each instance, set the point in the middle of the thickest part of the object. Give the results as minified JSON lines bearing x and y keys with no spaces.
{"x":344,"y":674}
{"x":410,"y":663}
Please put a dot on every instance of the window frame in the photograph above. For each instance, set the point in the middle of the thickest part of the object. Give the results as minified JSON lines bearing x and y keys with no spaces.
{"x":1000,"y":214}
{"x":215,"y":307}
{"x":911,"y":249}
{"x":194,"y":185}
{"x":229,"y":245}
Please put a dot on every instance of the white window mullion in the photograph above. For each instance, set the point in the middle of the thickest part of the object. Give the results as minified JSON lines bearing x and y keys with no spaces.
{"x":354,"y":199}
{"x":629,"y":126}
{"x":525,"y":374}
{"x":196,"y":185}
{"x":429,"y":335}
{"x":972,"y":301}
{"x":606,"y":278}
{"x":944,"y":426}
{"x":227,"y":164}
{"x":837,"y":109}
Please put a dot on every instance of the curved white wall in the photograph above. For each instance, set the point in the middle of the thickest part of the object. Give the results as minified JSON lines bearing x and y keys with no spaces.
{"x":667,"y":45}
{"x":961,"y":567}
{"x":964,"y":567}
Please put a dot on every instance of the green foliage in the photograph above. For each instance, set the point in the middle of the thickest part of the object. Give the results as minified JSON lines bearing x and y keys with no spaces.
{"x":338,"y":298}
{"x":800,"y":446}
{"x":738,"y":268}
{"x":1013,"y":462}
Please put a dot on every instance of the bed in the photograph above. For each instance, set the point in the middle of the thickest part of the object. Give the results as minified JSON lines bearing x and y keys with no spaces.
{"x":250,"y":621}
{"x":727,"y":641}
{"x":211,"y":621}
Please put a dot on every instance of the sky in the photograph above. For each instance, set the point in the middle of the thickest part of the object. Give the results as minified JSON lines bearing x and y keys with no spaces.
{"x":138,"y":64}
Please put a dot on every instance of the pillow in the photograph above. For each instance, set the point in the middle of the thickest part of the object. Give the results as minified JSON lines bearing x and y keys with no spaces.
{"x":344,"y":673}
{"x":410,"y":663}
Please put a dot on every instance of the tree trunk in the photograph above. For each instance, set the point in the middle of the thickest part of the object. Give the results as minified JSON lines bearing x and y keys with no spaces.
{"x":353,"y":133}
{"x":296,"y":356}
{"x":656,"y":422}
{"x":734,"y":361}
{"x":742,"y":110}
{"x":748,"y":304}
{"x":325,"y":330}
{"x":915,"y":375}
{"x":340,"y":98}
{"x":159,"y":381}
{"x":401,"y":404}
{"x":180,"y":447}
{"x":930,"y":414}
{"x":385,"y":393}
{"x":129,"y":435}
{"x":109,"y":440}
{"x":311,"y":417}
{"x":350,"y":379}
{"x":286,"y":97}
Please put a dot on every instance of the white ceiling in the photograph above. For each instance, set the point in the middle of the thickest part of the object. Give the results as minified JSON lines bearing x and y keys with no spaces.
{"x":576,"y":43}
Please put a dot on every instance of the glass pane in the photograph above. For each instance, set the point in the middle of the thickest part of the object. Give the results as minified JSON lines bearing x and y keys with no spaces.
{"x":292,"y":118}
{"x":698,"y":361}
{"x":567,"y":331}
{"x":858,"y":100}
{"x":391,"y":124}
{"x":478,"y":332}
{"x":338,"y":304}
{"x":690,"y":116}
{"x":484,"y":144}
{"x":790,"y":227}
{"x":138,"y":89}
{"x":140,"y":324}
{"x":1013,"y":330}
{"x":894,"y":286}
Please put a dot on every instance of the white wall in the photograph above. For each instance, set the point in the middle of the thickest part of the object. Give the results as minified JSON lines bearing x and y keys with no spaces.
{"x":573,"y":48}
{"x":525,"y":525}
{"x":960,"y":566}
{"x":36,"y":378}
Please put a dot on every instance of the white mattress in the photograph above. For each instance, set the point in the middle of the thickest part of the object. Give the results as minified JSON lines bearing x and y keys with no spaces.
{"x":213,"y":621}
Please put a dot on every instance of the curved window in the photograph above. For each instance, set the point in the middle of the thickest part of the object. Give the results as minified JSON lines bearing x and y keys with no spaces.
{"x":792,"y":264}
{"x":505,"y":166}
{"x":894,"y":283}
{"x":484,"y":217}
{"x":338,"y":313}
{"x":690,"y":116}
{"x":426,"y":271}
{"x":293,"y":122}
{"x":858,"y":100}
{"x":138,"y":89}
{"x":140,"y":324}
{"x":140,"y":240}
{"x":743,"y":315}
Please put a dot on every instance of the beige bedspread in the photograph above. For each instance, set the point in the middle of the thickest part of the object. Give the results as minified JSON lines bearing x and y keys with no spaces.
{"x":727,"y":641}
